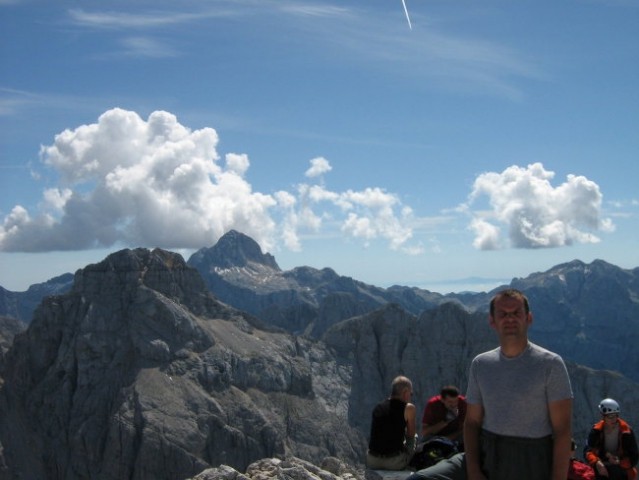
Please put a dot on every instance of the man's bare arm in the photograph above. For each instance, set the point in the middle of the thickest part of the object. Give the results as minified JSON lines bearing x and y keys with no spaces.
{"x":411,"y":426}
{"x":472,"y":429}
{"x":434,"y":429}
{"x":561,"y":421}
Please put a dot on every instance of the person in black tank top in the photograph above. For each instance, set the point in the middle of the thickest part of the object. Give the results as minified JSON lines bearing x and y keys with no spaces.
{"x":392,"y":436}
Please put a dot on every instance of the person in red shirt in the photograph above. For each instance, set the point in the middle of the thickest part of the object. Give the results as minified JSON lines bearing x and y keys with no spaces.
{"x":444,"y":415}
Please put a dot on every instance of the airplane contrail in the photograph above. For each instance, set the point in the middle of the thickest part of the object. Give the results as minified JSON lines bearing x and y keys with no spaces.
{"x":406,"y":12}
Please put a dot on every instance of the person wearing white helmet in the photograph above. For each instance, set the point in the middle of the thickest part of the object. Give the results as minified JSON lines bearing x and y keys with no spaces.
{"x":612,"y":447}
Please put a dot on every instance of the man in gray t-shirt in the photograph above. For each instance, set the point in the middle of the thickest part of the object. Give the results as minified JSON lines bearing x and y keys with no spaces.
{"x":518,"y":419}
{"x":514,"y":391}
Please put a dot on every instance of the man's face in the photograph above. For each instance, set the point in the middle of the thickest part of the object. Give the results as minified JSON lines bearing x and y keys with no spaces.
{"x":510,"y":317}
{"x":451,"y":403}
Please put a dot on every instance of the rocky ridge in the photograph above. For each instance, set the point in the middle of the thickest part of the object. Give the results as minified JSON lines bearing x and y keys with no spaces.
{"x":139,"y":372}
{"x":293,"y":468}
{"x":303,"y":300}
{"x":589,"y":313}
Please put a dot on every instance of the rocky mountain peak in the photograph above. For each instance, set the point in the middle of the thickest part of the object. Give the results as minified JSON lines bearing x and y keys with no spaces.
{"x":234,"y":249}
{"x":139,"y":372}
{"x":160,"y":270}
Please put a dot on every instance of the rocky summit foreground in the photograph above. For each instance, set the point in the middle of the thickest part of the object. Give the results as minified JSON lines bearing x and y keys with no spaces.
{"x":294,"y":468}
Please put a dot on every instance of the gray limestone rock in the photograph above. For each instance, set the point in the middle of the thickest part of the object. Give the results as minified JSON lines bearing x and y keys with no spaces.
{"x":138,"y":372}
{"x":289,"y":468}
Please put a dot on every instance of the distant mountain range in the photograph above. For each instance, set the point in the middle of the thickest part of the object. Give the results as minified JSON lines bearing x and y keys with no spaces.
{"x":21,"y":305}
{"x":594,"y":306}
{"x":147,"y":366}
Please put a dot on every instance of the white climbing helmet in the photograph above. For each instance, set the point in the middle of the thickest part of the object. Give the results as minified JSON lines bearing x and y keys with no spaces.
{"x":608,"y":405}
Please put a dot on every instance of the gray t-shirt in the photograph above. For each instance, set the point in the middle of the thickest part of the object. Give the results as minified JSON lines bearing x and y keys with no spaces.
{"x":515,"y":392}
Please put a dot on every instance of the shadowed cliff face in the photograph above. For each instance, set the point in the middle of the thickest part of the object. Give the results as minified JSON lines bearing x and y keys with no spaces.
{"x":139,"y":372}
{"x":9,"y":328}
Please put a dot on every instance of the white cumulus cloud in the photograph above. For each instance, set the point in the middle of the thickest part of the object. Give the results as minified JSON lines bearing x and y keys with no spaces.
{"x":319,"y":166}
{"x":533,"y":212}
{"x":134,"y":182}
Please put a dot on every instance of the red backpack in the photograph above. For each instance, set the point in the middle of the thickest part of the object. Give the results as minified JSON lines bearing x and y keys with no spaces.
{"x":580,"y":471}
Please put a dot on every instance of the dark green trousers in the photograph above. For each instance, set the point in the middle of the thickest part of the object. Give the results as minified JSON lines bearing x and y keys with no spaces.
{"x":502,"y":458}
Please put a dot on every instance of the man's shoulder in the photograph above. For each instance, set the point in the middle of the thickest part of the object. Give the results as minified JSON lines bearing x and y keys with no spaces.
{"x":384,"y":404}
{"x":487,"y":356}
{"x":434,"y":406}
{"x":625,"y":426}
{"x":541,"y":352}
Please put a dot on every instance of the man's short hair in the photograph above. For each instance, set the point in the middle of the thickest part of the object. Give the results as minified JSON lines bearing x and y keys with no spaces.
{"x":509,"y":293}
{"x":449,"y":391}
{"x":400,"y":384}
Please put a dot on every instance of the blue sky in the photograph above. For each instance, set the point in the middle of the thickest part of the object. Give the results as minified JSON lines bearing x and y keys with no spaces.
{"x":483,"y":141}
